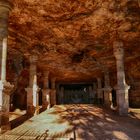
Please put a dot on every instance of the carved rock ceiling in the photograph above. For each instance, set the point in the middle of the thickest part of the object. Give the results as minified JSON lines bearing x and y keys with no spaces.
{"x":73,"y":38}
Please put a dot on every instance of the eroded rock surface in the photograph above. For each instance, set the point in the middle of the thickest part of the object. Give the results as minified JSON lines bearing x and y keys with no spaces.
{"x":74,"y":38}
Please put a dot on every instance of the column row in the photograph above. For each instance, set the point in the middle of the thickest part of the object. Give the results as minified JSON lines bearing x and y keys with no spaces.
{"x":33,"y":91}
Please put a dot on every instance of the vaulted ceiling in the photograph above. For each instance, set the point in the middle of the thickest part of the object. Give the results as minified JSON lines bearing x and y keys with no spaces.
{"x":74,"y":38}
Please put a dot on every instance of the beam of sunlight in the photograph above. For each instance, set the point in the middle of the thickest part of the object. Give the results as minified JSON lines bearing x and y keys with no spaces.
{"x":121,"y":135}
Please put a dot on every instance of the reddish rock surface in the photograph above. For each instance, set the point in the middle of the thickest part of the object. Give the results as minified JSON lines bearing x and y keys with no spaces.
{"x":74,"y":38}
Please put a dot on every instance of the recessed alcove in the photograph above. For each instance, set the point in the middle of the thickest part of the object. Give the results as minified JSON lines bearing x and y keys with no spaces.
{"x":76,"y":94}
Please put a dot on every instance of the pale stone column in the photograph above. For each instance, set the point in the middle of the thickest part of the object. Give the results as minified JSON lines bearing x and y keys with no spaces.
{"x":5,"y":87}
{"x":33,"y":89}
{"x":121,"y":88}
{"x":107,"y":90}
{"x":99,"y":90}
{"x":46,"y":92}
{"x":53,"y":92}
{"x":4,"y":57}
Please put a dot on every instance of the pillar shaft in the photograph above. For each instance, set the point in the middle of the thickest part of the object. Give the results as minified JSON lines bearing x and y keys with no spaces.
{"x":91,"y":94}
{"x":99,"y":90}
{"x":121,"y":88}
{"x":46,"y":92}
{"x":33,"y":89}
{"x":46,"y":80}
{"x":53,"y":83}
{"x":53,"y":92}
{"x":4,"y":57}
{"x":33,"y":69}
{"x":5,"y":87}
{"x":107,"y":90}
{"x":61,"y":95}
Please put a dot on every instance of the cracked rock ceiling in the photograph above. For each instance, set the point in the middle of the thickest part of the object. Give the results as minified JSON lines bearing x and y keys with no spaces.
{"x":73,"y":38}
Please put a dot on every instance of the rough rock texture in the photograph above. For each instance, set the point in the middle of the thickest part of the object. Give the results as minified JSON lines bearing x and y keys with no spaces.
{"x":74,"y":38}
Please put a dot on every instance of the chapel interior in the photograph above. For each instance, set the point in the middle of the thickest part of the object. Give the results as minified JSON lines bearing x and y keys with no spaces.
{"x":72,"y":64}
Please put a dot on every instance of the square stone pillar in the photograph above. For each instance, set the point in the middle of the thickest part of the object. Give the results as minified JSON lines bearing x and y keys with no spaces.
{"x":107,"y":96}
{"x":61,"y":95}
{"x":32,"y":100}
{"x":99,"y":91}
{"x":46,"y":92}
{"x":121,"y":88}
{"x":33,"y":89}
{"x":107,"y":90}
{"x":5,"y":92}
{"x":46,"y":98}
{"x":91,"y":94}
{"x":53,"y":97}
{"x":53,"y":92}
{"x":5,"y":87}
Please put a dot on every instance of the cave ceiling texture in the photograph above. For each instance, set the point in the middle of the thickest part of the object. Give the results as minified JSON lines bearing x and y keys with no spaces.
{"x":74,"y":38}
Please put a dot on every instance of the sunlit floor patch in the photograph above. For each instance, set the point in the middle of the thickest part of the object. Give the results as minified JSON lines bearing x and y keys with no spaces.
{"x":16,"y":113}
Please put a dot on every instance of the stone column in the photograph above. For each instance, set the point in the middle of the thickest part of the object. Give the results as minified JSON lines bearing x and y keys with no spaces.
{"x":46,"y":92}
{"x":5,"y":87}
{"x":90,"y":94}
{"x":107,"y":90}
{"x":94,"y":89}
{"x":61,"y":95}
{"x":33,"y":89}
{"x":53,"y":92}
{"x":121,"y":88}
{"x":99,"y":91}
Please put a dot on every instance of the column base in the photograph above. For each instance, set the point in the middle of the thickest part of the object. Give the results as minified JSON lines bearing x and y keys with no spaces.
{"x":32,"y":105}
{"x":53,"y":97}
{"x":37,"y":110}
{"x":107,"y":97}
{"x":4,"y":122}
{"x":5,"y":91}
{"x":30,"y":110}
{"x":46,"y":99}
{"x":122,"y":100}
{"x":44,"y":106}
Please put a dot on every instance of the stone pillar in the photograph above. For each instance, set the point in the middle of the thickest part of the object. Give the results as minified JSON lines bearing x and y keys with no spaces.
{"x":107,"y":90}
{"x":5,"y":87}
{"x":94,"y":89}
{"x":53,"y":80}
{"x":99,"y":91}
{"x":53,"y":92}
{"x":46,"y":92}
{"x":33,"y":89}
{"x":91,"y":94}
{"x":61,"y":95}
{"x":121,"y":88}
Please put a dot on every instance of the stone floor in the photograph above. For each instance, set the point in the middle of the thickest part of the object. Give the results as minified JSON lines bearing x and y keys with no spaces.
{"x":77,"y":122}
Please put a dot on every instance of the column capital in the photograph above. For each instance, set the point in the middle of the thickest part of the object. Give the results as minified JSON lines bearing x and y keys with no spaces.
{"x":106,"y":73}
{"x":46,"y":74}
{"x":118,"y":43}
{"x":99,"y":79}
{"x":118,"y":49}
{"x":122,"y":87}
{"x":6,"y":4}
{"x":6,"y":87}
{"x":33,"y":59}
{"x":53,"y":79}
{"x":5,"y":8}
